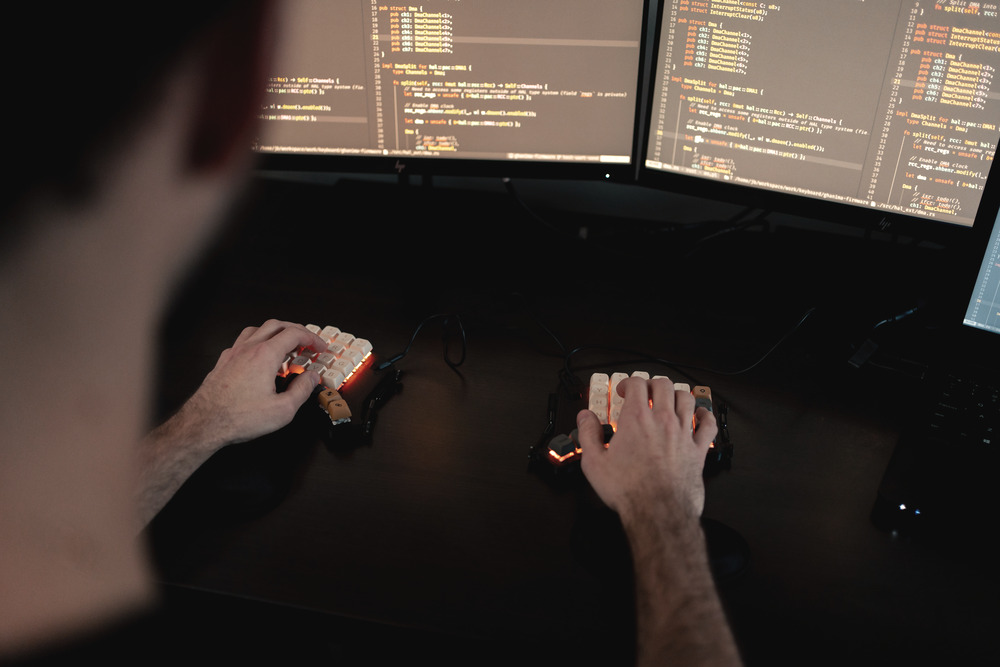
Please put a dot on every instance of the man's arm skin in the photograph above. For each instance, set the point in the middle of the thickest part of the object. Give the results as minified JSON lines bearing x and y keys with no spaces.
{"x":236,"y":402}
{"x":650,"y":473}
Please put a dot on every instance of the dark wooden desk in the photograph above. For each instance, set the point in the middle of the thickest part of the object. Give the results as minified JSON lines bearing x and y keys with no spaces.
{"x":436,"y":540}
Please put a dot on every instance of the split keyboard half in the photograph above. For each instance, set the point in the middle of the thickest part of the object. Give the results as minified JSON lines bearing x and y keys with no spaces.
{"x":343,"y":359}
{"x":344,"y":356}
{"x":605,"y":402}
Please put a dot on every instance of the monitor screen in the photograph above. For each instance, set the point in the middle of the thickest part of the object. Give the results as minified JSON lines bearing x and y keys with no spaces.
{"x":851,"y":110}
{"x":983,"y":308}
{"x":457,"y":86}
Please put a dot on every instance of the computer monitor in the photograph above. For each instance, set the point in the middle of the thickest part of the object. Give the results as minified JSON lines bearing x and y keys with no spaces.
{"x":872,"y":113}
{"x":983,"y":308}
{"x":472,"y":87}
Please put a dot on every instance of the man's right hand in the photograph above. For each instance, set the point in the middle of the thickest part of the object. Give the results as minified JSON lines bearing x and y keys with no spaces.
{"x":651,"y":474}
{"x":654,"y":455}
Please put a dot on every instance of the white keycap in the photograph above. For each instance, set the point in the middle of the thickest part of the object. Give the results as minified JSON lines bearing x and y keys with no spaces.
{"x":344,"y":366}
{"x":332,"y":379}
{"x":353,"y":356}
{"x":615,"y":407}
{"x":298,"y":364}
{"x":599,"y":406}
{"x":598,"y":399}
{"x":613,"y":396}
{"x":362,"y":346}
{"x":326,"y":358}
{"x":599,"y":381}
{"x":329,"y":333}
{"x":682,"y":386}
{"x":313,"y":328}
{"x":344,"y":338}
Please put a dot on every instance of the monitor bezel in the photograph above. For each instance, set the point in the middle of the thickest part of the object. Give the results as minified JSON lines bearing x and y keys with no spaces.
{"x":976,"y":246}
{"x":390,"y":165}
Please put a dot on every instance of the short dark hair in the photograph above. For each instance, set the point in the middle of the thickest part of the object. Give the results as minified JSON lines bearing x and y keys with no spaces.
{"x":78,"y":73}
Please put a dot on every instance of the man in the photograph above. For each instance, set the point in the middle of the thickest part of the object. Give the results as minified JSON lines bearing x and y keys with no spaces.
{"x":91,"y":245}
{"x":113,"y":197}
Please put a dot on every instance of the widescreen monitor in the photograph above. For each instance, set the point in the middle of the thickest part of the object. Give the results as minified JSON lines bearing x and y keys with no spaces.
{"x":881,"y":113}
{"x":509,"y":88}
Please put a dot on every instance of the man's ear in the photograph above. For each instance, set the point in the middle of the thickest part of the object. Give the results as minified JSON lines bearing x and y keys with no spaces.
{"x":237,"y":53}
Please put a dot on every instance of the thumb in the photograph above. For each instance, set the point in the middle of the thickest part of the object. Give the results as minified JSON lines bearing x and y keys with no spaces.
{"x":301,"y":387}
{"x":589,"y":431}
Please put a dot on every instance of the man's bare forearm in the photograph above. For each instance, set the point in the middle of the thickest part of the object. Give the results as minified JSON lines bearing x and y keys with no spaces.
{"x":168,"y":456}
{"x":679,"y":614}
{"x":237,"y":402}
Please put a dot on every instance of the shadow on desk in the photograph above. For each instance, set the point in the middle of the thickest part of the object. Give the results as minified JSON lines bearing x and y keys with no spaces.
{"x":233,"y":630}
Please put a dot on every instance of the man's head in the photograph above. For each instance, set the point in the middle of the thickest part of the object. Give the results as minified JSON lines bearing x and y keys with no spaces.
{"x":129,"y":136}
{"x":83,"y":76}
